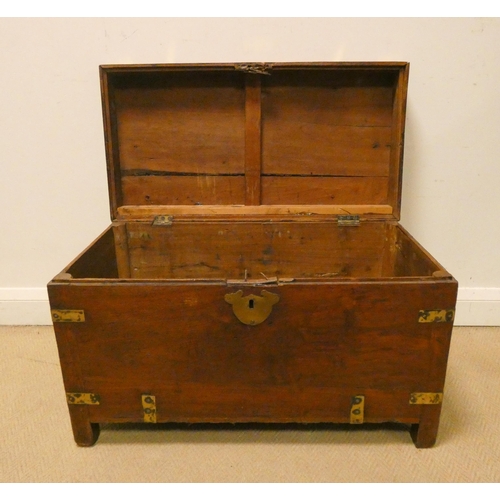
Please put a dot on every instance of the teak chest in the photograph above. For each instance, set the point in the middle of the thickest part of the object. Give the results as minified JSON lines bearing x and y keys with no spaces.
{"x":255,"y":270}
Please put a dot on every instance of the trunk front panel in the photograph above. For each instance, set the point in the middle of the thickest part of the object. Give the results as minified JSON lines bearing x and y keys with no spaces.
{"x":320,"y":345}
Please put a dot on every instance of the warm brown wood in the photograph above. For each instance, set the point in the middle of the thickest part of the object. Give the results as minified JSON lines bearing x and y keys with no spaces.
{"x":388,"y":256}
{"x":255,"y":250}
{"x":287,"y":190}
{"x":231,"y":250}
{"x":184,"y":190}
{"x":122,"y":252}
{"x":424,"y":433}
{"x":174,"y":124}
{"x":201,"y":67}
{"x":290,"y":150}
{"x":253,"y":140}
{"x":411,"y":259}
{"x":326,"y":140}
{"x":111,"y":141}
{"x":398,"y":127}
{"x":172,"y":140}
{"x":422,"y":253}
{"x":85,"y":432}
{"x":320,"y":345}
{"x":325,"y":129}
{"x":253,"y":165}
{"x":144,"y":212}
{"x":98,"y":261}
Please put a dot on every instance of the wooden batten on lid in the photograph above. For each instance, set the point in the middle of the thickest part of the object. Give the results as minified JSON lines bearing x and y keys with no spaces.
{"x":243,"y":140}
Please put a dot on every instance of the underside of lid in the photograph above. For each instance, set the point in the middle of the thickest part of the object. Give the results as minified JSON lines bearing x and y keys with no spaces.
{"x":261,"y":140}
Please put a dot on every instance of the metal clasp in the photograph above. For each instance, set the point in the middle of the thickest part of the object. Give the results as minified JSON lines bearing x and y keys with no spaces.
{"x":255,"y":68}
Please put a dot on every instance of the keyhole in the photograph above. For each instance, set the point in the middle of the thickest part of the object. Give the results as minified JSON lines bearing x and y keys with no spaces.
{"x":250,"y":303}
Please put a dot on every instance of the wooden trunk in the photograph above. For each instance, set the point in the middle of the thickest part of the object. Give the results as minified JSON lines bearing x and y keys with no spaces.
{"x":255,"y":269}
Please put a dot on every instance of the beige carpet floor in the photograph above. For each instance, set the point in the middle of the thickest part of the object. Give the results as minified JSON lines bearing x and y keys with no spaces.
{"x":37,"y":444}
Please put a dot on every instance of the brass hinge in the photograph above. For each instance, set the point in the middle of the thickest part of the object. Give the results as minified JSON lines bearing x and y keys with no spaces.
{"x":163,"y":220}
{"x":426,"y":398}
{"x":436,"y":316}
{"x":357,"y":409}
{"x":149,"y":408}
{"x":82,"y":398}
{"x":255,"y":68}
{"x":68,"y":315}
{"x":348,"y":220}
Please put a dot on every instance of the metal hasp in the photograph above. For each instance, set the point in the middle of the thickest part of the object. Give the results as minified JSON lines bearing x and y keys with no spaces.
{"x":436,"y":316}
{"x":82,"y":398}
{"x":357,"y":409}
{"x":255,"y":68}
{"x":149,"y":408}
{"x":68,"y":315}
{"x":426,"y":398}
{"x":252,"y":309}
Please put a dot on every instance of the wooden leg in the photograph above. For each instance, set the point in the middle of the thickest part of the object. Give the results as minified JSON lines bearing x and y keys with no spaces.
{"x":84,"y":432}
{"x":424,"y":433}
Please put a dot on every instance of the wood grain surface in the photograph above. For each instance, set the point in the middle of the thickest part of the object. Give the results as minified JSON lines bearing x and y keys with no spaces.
{"x":253,"y":164}
{"x":213,"y":135}
{"x":321,"y":345}
{"x":237,"y":249}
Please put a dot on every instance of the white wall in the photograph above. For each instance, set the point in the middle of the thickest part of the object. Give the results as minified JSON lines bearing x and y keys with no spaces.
{"x":53,"y":191}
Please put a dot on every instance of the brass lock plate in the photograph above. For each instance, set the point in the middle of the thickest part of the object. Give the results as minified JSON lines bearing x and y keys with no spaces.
{"x":252,"y":309}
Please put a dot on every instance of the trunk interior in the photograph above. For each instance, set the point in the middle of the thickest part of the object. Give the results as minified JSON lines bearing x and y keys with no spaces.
{"x":254,"y":252}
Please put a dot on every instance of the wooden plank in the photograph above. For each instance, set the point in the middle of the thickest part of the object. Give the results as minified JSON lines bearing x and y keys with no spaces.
{"x":148,"y":212}
{"x":252,"y":140}
{"x":397,"y":140}
{"x":190,"y":128}
{"x":256,"y":404}
{"x":411,"y":259}
{"x":328,"y":66}
{"x":319,"y":119}
{"x":425,"y":432}
{"x":302,"y":148}
{"x":304,"y":190}
{"x":225,"y":250}
{"x":85,"y":432}
{"x":179,"y":190}
{"x":319,"y":99}
{"x":122,"y":252}
{"x":254,"y":250}
{"x":350,"y":151}
{"x":98,"y":260}
{"x":314,"y":123}
{"x":111,"y":143}
{"x":390,"y":251}
{"x":423,"y":252}
{"x":186,"y":345}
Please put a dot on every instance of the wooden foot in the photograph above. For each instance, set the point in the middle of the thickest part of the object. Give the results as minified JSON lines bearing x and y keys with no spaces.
{"x":424,"y":433}
{"x":85,"y":432}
